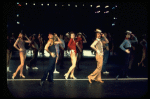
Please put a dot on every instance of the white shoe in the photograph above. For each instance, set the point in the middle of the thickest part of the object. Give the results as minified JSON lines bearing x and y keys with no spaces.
{"x":55,"y":71}
{"x":27,"y":67}
{"x":34,"y":68}
{"x":8,"y":69}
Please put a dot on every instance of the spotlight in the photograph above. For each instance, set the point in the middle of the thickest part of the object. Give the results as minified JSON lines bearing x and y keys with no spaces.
{"x":18,"y":22}
{"x":48,"y":4}
{"x":83,"y":4}
{"x":107,"y":6}
{"x":26,"y":3}
{"x":42,"y":4}
{"x":62,"y":5}
{"x":113,"y":7}
{"x":17,"y":2}
{"x":68,"y":4}
{"x":17,"y":15}
{"x":55,"y":4}
{"x":115,"y":18}
{"x":113,"y":24}
{"x":75,"y":5}
{"x":33,"y":3}
{"x":116,"y":6}
{"x":97,"y":6}
{"x":91,"y":5}
{"x":107,"y":11}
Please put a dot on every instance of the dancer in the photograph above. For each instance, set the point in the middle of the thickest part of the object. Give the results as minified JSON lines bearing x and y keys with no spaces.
{"x":61,"y":54}
{"x":80,"y":52}
{"x":22,"y":53}
{"x":34,"y":46}
{"x":144,"y":45}
{"x":98,"y":47}
{"x":66,"y":39}
{"x":73,"y":54}
{"x":57,"y":53}
{"x":106,"y":55}
{"x":50,"y":48}
{"x":9,"y":51}
{"x":126,"y":46}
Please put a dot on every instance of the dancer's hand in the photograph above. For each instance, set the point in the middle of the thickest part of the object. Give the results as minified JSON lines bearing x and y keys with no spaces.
{"x":127,"y":51}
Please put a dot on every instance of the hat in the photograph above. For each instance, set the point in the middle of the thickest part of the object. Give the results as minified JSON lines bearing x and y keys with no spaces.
{"x":98,"y":31}
{"x":128,"y":32}
{"x":79,"y":33}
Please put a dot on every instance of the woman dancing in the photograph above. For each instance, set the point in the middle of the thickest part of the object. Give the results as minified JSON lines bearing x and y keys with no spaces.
{"x":97,"y":45}
{"x":50,"y":48}
{"x":72,"y":46}
{"x":22,"y":53}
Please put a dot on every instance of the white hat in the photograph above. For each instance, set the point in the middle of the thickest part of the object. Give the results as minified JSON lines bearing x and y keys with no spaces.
{"x":98,"y":31}
{"x":128,"y":31}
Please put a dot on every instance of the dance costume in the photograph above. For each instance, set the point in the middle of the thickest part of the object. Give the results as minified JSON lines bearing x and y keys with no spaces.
{"x":72,"y":44}
{"x":51,"y":66}
{"x":99,"y":58}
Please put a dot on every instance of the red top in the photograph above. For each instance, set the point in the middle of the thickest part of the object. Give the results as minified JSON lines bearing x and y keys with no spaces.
{"x":72,"y":44}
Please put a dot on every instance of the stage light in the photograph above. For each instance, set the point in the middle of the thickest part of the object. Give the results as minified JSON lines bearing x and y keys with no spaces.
{"x":97,"y":6}
{"x":17,"y":15}
{"x":113,"y":7}
{"x":68,"y":4}
{"x":83,"y":4}
{"x":62,"y":5}
{"x":26,"y":3}
{"x":33,"y":3}
{"x":115,"y":18}
{"x":91,"y":5}
{"x":42,"y":4}
{"x":75,"y":5}
{"x":17,"y":2}
{"x":18,"y":22}
{"x":113,"y":24}
{"x":55,"y":4}
{"x":116,"y":6}
{"x":48,"y":4}
{"x":107,"y":6}
{"x":107,"y":12}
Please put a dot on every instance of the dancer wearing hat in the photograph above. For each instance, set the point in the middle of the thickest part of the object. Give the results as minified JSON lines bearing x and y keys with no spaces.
{"x":72,"y":46}
{"x":80,"y":48}
{"x":126,"y":46}
{"x":98,"y":47}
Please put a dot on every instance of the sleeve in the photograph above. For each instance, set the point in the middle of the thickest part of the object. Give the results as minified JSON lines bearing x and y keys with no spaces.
{"x":135,"y":40}
{"x":122,"y":45}
{"x":69,"y":43}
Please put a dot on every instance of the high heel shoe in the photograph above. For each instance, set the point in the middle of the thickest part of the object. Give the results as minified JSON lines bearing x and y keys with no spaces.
{"x":21,"y":75}
{"x":73,"y":77}
{"x":14,"y":75}
{"x":66,"y":76}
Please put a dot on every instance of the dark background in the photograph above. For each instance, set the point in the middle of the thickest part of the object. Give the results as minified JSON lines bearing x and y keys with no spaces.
{"x":62,"y":19}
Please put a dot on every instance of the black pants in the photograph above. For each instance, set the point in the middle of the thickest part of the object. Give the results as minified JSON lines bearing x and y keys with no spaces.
{"x":50,"y":69}
{"x":33,"y":61}
{"x":124,"y":69}
{"x":61,"y":58}
{"x":79,"y":58}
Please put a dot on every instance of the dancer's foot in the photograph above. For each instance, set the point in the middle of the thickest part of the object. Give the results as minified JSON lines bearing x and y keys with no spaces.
{"x":117,"y":77}
{"x":34,"y":68}
{"x":14,"y":75}
{"x":55,"y":71}
{"x":100,"y":81}
{"x":89,"y":80}
{"x":21,"y":75}
{"x":72,"y":77}
{"x":66,"y":76}
{"x":27,"y":67}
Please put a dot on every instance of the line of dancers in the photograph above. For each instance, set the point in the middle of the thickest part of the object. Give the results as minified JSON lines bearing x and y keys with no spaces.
{"x":73,"y":45}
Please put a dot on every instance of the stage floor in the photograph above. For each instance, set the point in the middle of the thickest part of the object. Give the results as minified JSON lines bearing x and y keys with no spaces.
{"x":136,"y":86}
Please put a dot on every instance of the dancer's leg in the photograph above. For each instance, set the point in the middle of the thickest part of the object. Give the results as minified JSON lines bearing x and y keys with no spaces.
{"x":74,"y":60}
{"x":23,"y":60}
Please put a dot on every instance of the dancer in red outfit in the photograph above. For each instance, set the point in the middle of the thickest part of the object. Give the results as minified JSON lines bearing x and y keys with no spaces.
{"x":72,"y":46}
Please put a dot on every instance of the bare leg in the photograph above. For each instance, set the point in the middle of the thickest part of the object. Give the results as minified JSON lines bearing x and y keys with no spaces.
{"x":21,"y":70}
{"x":74,"y":60}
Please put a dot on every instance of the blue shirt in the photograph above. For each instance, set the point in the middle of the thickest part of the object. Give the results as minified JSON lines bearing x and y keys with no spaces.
{"x":127,"y":43}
